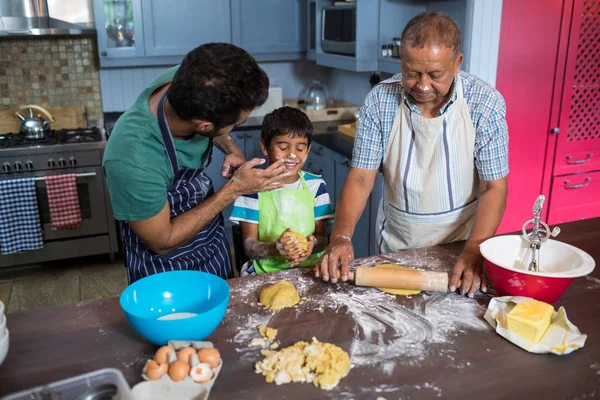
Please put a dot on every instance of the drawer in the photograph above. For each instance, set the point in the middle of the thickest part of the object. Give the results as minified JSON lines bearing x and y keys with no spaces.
{"x":578,"y":161}
{"x":574,"y":197}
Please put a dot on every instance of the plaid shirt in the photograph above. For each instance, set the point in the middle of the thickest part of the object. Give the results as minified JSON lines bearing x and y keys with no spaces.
{"x":486,"y":108}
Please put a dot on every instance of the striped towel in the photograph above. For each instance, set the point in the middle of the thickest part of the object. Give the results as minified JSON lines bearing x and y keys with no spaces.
{"x":20,"y":227}
{"x":63,"y":200}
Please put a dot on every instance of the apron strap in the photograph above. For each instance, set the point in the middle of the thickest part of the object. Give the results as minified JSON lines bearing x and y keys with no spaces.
{"x":301,"y":173}
{"x":165,"y":131}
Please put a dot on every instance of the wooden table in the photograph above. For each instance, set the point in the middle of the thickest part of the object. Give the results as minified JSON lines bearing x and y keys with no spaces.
{"x":57,"y":343}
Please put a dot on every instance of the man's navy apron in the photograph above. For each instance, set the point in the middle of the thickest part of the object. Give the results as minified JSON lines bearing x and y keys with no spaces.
{"x":208,"y":251}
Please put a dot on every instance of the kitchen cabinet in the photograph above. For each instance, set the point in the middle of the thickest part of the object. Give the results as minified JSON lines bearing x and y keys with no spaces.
{"x":157,"y":32}
{"x":552,"y":98}
{"x":270,"y":30}
{"x":119,"y":27}
{"x":173,"y":28}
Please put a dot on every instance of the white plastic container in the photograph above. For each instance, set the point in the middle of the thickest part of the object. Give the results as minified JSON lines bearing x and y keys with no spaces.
{"x":86,"y":385}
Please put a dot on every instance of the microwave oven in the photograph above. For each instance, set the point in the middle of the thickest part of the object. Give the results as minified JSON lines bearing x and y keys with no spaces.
{"x":338,"y":29}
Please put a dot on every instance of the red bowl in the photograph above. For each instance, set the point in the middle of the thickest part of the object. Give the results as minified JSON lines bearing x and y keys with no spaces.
{"x":507,"y":257}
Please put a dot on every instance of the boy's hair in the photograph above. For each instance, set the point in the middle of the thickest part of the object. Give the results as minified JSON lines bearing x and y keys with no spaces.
{"x":286,"y":121}
{"x":215,"y":82}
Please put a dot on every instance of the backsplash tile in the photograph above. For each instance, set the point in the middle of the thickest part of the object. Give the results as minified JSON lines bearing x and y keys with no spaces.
{"x":51,"y":72}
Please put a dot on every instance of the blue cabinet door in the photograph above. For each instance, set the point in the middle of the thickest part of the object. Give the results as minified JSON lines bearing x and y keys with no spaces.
{"x":361,"y":237}
{"x":173,"y":28}
{"x":269,"y":26}
{"x":119,"y":26}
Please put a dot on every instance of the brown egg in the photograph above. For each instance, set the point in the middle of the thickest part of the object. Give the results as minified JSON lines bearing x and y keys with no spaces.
{"x":154,"y":371}
{"x":185,"y":353}
{"x":162,"y":354}
{"x":209,"y":356}
{"x":178,"y":370}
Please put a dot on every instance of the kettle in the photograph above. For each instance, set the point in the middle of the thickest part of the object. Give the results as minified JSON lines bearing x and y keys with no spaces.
{"x":315,"y":96}
{"x":34,"y":127}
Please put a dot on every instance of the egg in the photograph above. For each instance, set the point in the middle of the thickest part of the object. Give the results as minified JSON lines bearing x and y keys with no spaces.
{"x":185,"y":353}
{"x":209,"y":356}
{"x":161,"y":354}
{"x":201,"y":373}
{"x":154,"y":371}
{"x":178,"y":370}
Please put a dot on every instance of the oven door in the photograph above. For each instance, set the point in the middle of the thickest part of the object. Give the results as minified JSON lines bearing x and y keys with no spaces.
{"x":91,"y":200}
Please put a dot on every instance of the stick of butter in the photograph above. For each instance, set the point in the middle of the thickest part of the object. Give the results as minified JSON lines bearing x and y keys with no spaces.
{"x":530,"y":319}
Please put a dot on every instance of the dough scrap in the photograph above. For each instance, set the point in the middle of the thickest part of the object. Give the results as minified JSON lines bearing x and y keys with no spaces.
{"x":267,"y":333}
{"x":322,"y":364}
{"x":401,"y":292}
{"x":302,"y":242}
{"x":280,"y":295}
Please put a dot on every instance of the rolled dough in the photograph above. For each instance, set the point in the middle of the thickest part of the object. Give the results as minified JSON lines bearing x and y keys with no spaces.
{"x":280,"y":295}
{"x":400,"y":292}
{"x":302,"y":242}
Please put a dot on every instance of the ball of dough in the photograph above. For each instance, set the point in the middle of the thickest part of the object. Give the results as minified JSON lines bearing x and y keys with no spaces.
{"x":280,"y":295}
{"x":400,"y":292}
{"x":302,"y":242}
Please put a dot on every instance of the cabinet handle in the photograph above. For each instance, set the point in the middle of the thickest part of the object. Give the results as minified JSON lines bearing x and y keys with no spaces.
{"x":249,"y":135}
{"x":240,"y":135}
{"x":588,"y":158}
{"x":579,"y":185}
{"x":319,"y":151}
{"x":346,"y":162}
{"x":104,"y":54}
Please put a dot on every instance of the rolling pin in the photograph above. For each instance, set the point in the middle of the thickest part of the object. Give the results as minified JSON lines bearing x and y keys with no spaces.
{"x":407,"y":279}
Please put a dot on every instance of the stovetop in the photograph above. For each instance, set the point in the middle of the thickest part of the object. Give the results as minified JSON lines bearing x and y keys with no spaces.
{"x":53,"y":137}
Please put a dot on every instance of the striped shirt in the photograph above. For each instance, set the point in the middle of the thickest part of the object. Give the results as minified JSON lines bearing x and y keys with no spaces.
{"x":487,"y":110}
{"x":245,"y":208}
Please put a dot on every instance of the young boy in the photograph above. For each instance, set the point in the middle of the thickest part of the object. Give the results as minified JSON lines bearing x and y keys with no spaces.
{"x":301,"y":206}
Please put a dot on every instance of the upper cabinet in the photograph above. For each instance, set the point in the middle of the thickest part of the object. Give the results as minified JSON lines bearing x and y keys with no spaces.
{"x":269,"y":29}
{"x":119,"y":25}
{"x":173,"y":28}
{"x":134,"y":33}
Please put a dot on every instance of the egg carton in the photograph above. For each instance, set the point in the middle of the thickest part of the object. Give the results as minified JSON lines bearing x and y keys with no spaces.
{"x":166,"y":389}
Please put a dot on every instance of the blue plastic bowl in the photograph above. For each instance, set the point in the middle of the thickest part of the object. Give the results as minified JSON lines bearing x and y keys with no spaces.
{"x":168,"y":294}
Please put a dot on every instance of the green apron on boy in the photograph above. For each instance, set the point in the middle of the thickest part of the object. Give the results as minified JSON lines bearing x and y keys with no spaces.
{"x":279,"y":210}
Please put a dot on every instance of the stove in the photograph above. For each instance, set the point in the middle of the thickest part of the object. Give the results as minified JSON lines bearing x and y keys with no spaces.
{"x":66,"y":151}
{"x":53,"y":137}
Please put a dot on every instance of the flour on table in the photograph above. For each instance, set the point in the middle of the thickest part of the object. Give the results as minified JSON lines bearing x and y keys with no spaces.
{"x":592,"y":283}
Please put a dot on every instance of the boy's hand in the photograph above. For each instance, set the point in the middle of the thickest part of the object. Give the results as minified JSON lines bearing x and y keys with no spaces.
{"x":287,"y":246}
{"x":311,"y":244}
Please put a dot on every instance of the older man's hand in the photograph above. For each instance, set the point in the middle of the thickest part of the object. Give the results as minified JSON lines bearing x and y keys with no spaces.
{"x":469,"y":268}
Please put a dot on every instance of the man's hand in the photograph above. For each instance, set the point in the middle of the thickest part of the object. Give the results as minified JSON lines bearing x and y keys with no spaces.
{"x":249,"y":180}
{"x":232,"y":162}
{"x":469,"y":268}
{"x":340,"y":251}
{"x":311,"y":245}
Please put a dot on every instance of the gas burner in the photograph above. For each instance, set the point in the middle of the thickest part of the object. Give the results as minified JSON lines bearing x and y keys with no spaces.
{"x":53,"y":137}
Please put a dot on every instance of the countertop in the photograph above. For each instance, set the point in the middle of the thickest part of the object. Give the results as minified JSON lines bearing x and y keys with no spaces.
{"x":425,"y":346}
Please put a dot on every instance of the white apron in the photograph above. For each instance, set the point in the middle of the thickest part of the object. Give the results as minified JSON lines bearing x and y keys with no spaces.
{"x":430,"y":180}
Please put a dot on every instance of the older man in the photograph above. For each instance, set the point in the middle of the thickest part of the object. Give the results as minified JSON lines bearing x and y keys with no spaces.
{"x":439,"y":136}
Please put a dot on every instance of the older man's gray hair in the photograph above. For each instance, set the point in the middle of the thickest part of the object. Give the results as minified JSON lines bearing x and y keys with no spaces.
{"x":430,"y":29}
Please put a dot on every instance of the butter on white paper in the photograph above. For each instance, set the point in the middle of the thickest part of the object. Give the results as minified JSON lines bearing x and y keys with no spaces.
{"x":562,"y":337}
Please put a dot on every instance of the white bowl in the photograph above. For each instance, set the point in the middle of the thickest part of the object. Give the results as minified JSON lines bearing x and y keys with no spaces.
{"x":2,"y":326}
{"x":507,"y":258}
{"x":4,"y":346}
{"x":557,"y":259}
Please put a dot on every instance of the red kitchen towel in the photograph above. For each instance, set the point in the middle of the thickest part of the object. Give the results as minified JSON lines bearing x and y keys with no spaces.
{"x":63,"y":199}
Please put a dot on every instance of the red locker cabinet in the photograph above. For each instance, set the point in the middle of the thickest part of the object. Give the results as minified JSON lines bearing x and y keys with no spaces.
{"x":575,"y":191}
{"x":549,"y":75}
